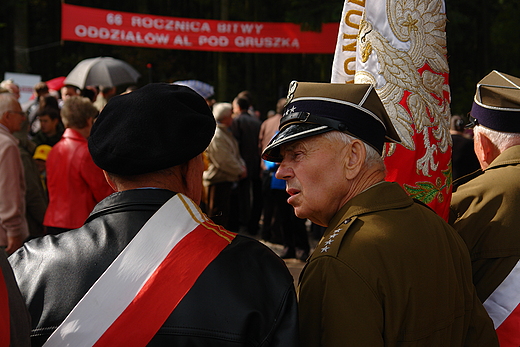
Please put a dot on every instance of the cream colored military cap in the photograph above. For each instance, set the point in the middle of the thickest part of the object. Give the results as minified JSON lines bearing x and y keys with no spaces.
{"x":497,"y":102}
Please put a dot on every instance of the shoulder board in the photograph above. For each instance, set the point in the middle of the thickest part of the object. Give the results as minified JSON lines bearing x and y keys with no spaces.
{"x":417,"y":201}
{"x":465,"y":179}
{"x":330,"y":243}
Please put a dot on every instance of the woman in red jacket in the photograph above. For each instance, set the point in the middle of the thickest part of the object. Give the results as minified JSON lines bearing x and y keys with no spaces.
{"x":74,"y":182}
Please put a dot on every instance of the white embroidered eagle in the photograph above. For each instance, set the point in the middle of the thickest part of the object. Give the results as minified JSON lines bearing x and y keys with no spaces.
{"x":421,"y":24}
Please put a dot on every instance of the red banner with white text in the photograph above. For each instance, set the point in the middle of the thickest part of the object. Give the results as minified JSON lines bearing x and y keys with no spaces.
{"x":92,"y":25}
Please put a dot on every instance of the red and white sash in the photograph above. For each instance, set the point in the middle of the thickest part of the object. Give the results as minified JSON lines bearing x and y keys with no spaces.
{"x":503,"y":306}
{"x":141,"y":288}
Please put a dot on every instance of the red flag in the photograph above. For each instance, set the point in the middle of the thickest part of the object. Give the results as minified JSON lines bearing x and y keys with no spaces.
{"x":400,"y":47}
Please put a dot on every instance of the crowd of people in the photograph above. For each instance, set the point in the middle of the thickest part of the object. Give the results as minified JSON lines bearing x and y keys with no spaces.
{"x":238,"y":192}
{"x":149,"y":199}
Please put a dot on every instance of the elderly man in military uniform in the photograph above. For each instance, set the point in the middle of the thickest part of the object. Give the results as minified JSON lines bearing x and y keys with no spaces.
{"x":485,"y":208}
{"x":388,"y":270}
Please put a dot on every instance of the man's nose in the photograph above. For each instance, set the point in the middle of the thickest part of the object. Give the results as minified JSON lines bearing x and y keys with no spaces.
{"x":284,"y":172}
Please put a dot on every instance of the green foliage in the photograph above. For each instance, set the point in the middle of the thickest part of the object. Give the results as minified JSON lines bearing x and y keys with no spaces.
{"x":482,"y":35}
{"x":265,"y":75}
{"x":428,"y":191}
{"x":310,"y":13}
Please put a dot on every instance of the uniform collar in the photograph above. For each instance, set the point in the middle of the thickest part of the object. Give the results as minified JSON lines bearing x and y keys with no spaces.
{"x":510,"y":156}
{"x":129,"y":199}
{"x":379,"y":197}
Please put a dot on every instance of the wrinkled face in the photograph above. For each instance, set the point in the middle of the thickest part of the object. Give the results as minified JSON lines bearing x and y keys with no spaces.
{"x":314,"y":171}
{"x":48,"y":125}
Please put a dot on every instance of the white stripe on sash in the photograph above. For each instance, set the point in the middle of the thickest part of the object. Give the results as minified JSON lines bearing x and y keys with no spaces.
{"x":127,"y":274}
{"x":505,"y":298}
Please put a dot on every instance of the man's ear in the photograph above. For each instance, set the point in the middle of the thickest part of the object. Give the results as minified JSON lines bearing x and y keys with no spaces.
{"x":485,"y":150}
{"x":110,"y":182}
{"x":355,"y":157}
{"x":7,"y":116}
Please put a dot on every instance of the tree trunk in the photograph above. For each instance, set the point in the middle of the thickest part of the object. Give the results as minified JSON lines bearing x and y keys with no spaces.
{"x":222,"y":80}
{"x":21,"y":43}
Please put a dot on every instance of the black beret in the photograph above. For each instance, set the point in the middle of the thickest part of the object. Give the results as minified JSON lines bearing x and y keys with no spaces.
{"x":155,"y":127}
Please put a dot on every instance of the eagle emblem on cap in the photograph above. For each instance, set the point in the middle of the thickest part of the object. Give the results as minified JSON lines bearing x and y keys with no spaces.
{"x":292,"y":90}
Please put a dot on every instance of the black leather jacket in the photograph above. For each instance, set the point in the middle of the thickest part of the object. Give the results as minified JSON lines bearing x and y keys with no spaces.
{"x":245,"y":297}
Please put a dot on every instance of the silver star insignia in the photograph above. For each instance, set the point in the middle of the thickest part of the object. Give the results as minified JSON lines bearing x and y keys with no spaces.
{"x":325,"y":249}
{"x":329,"y":242}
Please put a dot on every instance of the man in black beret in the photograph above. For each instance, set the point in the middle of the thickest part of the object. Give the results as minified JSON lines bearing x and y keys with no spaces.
{"x":388,"y":270}
{"x":484,"y":210}
{"x":148,"y":267}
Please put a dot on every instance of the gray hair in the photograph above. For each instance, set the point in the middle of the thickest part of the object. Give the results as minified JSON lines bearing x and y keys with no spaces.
{"x":76,"y":111}
{"x":500,"y":139}
{"x":373,"y":158}
{"x":7,"y":103}
{"x":222,"y":110}
{"x":6,"y":83}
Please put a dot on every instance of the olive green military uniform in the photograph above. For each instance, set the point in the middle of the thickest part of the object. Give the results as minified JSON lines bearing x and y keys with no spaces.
{"x":486,"y":213}
{"x":390,"y":272}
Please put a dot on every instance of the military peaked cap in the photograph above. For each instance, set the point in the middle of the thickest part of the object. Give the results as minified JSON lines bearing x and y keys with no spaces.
{"x":316,"y":108}
{"x":497,"y":102}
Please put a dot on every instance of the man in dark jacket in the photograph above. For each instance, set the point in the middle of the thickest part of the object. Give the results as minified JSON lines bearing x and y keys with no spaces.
{"x":248,"y":200}
{"x":164,"y":274}
{"x":15,"y":324}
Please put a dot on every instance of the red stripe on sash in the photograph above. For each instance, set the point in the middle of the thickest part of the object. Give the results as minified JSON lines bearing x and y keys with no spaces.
{"x":509,"y":331}
{"x":167,"y":286}
{"x":5,"y":316}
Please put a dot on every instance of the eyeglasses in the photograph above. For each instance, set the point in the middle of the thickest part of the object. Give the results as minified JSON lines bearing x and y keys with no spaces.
{"x":18,"y":112}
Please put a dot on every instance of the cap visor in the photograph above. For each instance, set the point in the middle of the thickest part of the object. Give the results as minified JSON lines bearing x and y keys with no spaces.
{"x":291,"y":133}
